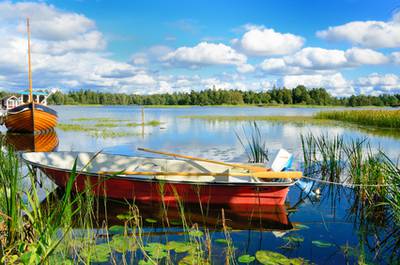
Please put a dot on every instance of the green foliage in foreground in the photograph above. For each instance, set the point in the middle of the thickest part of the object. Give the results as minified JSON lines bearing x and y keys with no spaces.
{"x":299,"y":95}
{"x":378,"y":118}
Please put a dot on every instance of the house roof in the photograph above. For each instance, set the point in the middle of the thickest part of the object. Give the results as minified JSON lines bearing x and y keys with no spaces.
{"x":7,"y":97}
{"x":39,"y":93}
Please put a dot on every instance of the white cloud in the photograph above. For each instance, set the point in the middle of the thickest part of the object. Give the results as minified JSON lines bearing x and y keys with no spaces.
{"x":395,"y":57}
{"x":260,"y":41}
{"x":245,"y":68}
{"x":365,"y":57}
{"x":371,"y":34}
{"x":378,"y":83}
{"x":317,"y":59}
{"x":205,"y":53}
{"x":335,"y":84}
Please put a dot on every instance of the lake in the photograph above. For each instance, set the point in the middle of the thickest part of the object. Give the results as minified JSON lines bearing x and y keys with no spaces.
{"x":321,"y":230}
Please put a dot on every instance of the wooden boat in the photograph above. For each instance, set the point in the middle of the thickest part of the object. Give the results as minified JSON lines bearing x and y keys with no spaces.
{"x":29,"y":142}
{"x":162,"y":179}
{"x":30,"y":116}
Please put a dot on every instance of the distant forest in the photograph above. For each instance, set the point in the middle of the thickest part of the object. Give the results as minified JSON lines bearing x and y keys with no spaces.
{"x":298,"y":95}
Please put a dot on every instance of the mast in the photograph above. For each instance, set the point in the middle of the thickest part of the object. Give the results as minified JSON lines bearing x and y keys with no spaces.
{"x":29,"y":62}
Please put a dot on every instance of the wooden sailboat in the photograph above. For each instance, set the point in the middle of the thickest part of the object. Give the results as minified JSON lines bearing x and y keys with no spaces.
{"x":30,"y":117}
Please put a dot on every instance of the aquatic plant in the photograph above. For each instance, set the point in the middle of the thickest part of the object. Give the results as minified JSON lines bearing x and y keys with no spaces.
{"x":378,"y":118}
{"x":254,"y":144}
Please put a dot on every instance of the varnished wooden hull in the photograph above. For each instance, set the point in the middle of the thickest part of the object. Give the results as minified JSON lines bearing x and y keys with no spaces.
{"x":20,"y":119}
{"x":42,"y":142}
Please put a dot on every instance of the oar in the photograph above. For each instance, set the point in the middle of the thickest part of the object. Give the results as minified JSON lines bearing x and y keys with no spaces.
{"x":247,"y":167}
{"x":265,"y":174}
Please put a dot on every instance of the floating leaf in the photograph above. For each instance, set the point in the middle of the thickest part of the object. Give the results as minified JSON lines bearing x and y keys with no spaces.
{"x":156,"y":250}
{"x":196,"y":233}
{"x":322,"y":244}
{"x":193,"y":260}
{"x":179,"y":247}
{"x":124,"y":216}
{"x":269,"y":257}
{"x":151,"y":220}
{"x":246,"y":259}
{"x":221,"y":241}
{"x":293,"y":239}
{"x":301,"y":226}
{"x":122,"y":244}
{"x":116,"y":229}
{"x":98,"y":253}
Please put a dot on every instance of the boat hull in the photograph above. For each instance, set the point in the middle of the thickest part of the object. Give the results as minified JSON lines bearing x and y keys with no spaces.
{"x":169,"y":192}
{"x":23,"y":119}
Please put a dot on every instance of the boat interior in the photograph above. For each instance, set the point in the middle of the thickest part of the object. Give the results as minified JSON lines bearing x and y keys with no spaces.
{"x":100,"y":162}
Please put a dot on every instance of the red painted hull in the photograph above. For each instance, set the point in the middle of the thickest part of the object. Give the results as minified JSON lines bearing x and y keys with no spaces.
{"x":157,"y":191}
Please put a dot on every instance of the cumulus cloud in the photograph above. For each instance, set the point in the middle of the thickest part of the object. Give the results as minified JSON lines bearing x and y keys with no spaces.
{"x":371,"y":34}
{"x":378,"y":83}
{"x":205,"y":53}
{"x":336,"y":84}
{"x":319,"y":59}
{"x":260,"y":41}
{"x":395,"y":57}
{"x":67,"y":52}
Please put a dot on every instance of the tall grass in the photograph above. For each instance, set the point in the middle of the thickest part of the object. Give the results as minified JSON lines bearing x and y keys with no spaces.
{"x":378,"y":118}
{"x":254,"y":144}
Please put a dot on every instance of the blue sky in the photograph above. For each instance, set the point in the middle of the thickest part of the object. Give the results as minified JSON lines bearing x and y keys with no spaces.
{"x":167,"y":46}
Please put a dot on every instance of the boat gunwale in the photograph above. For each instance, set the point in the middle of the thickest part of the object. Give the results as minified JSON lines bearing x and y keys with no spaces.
{"x":153,"y":179}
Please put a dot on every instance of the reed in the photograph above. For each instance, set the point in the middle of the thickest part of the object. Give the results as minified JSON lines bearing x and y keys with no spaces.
{"x":254,"y":144}
{"x":377,"y":118}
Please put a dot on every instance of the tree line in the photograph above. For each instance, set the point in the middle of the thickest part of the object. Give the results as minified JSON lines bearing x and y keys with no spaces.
{"x":297,"y":95}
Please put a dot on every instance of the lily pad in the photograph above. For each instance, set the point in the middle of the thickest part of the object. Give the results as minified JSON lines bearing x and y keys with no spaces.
{"x":246,"y":259}
{"x":196,"y":233}
{"x":221,"y":241}
{"x":156,"y":250}
{"x":151,"y":220}
{"x":124,"y":216}
{"x":193,"y":260}
{"x":322,"y":244}
{"x":179,"y":247}
{"x":271,"y":258}
{"x":98,"y":253}
{"x":116,"y":229}
{"x":122,"y":244}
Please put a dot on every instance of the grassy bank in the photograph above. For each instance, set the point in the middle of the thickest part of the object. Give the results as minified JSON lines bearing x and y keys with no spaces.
{"x":250,"y":118}
{"x":377,"y":118}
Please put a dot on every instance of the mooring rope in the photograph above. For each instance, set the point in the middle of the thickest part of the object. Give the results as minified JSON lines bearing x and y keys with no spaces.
{"x":348,"y":185}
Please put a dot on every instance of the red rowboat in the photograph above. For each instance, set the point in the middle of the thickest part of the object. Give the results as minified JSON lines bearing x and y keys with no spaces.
{"x":157,"y":179}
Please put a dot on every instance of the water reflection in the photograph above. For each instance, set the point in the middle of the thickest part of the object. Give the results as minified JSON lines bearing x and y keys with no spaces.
{"x":29,"y":142}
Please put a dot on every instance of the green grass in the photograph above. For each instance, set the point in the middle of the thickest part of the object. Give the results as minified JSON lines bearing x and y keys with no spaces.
{"x":99,"y":119}
{"x":376,"y":118}
{"x":94,"y":131}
